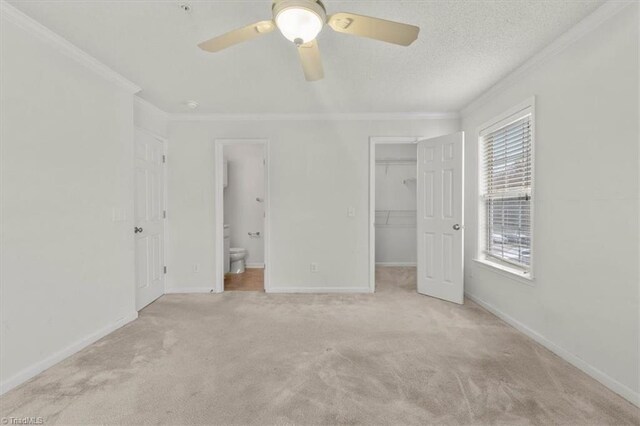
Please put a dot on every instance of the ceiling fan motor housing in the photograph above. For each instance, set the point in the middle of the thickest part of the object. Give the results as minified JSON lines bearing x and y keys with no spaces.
{"x":315,"y":6}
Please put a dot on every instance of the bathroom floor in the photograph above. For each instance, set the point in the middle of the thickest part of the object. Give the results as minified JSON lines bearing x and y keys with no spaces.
{"x":252,"y":279}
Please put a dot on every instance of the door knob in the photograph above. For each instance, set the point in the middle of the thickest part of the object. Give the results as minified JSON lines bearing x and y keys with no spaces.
{"x":136,"y":230}
{"x":456,"y":227}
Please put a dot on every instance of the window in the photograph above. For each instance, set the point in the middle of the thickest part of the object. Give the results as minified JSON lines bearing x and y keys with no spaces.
{"x":506,"y":178}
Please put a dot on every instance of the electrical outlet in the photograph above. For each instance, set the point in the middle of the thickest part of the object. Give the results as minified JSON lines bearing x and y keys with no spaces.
{"x":196,"y":267}
{"x":314,"y":267}
{"x":351,"y":212}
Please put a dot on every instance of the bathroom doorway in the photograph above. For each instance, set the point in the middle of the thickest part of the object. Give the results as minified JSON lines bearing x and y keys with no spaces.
{"x":241,"y":214}
{"x":393,"y":201}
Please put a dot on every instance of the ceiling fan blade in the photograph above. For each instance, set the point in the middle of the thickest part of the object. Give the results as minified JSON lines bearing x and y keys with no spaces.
{"x":311,"y":61}
{"x":375,"y":28}
{"x":237,"y":36}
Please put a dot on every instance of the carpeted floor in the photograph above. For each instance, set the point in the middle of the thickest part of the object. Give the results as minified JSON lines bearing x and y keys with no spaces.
{"x":393,"y":357}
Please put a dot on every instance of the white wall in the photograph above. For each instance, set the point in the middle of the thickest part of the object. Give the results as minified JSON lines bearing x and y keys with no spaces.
{"x":242,"y":212}
{"x":584,"y":300}
{"x":67,"y":275}
{"x":396,"y":204}
{"x":318,"y":169}
{"x":148,"y":117}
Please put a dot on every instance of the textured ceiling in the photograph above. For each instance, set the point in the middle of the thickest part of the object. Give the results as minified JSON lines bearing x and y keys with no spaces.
{"x":464,"y":47}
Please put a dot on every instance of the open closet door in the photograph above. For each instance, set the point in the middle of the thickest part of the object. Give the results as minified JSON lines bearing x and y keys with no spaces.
{"x":440,"y":217}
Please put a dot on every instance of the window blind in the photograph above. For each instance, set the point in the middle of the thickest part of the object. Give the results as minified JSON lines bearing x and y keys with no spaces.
{"x":507,"y":192}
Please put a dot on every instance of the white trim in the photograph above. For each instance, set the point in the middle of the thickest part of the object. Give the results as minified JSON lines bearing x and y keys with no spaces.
{"x":580,"y":30}
{"x":530,"y":102}
{"x":407,"y":264}
{"x":219,"y":208}
{"x":152,"y":134}
{"x":37,"y":368}
{"x":150,"y":107}
{"x":513,"y":272}
{"x":608,"y":381}
{"x":63,"y":46}
{"x":373,"y":141}
{"x":318,"y":290}
{"x":317,"y":116}
{"x":189,"y":290}
{"x":254,"y":265}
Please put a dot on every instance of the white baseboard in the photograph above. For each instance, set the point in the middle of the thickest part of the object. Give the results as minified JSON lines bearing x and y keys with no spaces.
{"x":619,"y":388}
{"x":186,"y":290}
{"x":56,"y":357}
{"x":254,"y":266}
{"x":318,"y":290}
{"x":396,"y":264}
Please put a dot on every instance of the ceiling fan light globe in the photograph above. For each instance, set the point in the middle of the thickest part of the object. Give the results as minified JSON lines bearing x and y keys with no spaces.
{"x":299,"y":23}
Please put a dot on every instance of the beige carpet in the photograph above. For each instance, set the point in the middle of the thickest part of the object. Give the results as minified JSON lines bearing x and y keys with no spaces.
{"x":252,"y":358}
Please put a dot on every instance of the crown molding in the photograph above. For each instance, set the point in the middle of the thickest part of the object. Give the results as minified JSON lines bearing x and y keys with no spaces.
{"x":145,"y":104}
{"x":13,"y":15}
{"x":317,"y":116}
{"x":578,"y":31}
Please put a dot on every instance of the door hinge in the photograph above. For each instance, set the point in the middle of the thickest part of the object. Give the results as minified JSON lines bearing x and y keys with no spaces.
{"x":164,"y":214}
{"x":264,"y":161}
{"x":164,"y":158}
{"x":165,"y":269}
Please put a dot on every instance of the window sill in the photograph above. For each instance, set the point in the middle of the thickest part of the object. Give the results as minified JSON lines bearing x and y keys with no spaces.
{"x":513,"y":273}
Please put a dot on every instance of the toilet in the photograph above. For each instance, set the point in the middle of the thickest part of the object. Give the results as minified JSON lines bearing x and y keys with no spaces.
{"x":237,"y":255}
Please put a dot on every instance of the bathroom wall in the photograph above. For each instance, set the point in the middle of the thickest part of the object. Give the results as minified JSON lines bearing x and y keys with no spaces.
{"x":396,"y":204}
{"x":242,"y":212}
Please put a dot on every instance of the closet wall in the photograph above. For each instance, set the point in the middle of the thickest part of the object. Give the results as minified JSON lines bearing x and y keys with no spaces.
{"x":395,"y":222}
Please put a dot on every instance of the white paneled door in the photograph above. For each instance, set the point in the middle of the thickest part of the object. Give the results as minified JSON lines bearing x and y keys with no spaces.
{"x":440,"y":217}
{"x":149,"y":218}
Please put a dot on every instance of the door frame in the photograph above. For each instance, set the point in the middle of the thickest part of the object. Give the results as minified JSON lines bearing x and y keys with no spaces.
{"x":373,"y":141}
{"x":219,"y":145}
{"x":165,"y":195}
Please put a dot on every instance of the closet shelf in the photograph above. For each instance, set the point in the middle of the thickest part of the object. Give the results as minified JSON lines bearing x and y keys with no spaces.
{"x":395,"y":219}
{"x":396,"y":161}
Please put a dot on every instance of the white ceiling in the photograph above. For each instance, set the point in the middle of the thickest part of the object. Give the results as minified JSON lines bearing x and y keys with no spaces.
{"x":464,"y":47}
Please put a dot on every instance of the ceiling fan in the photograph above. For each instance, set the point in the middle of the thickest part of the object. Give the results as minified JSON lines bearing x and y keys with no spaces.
{"x":300,"y":21}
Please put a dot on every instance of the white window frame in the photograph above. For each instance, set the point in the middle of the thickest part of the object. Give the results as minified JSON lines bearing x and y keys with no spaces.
{"x":515,"y":113}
